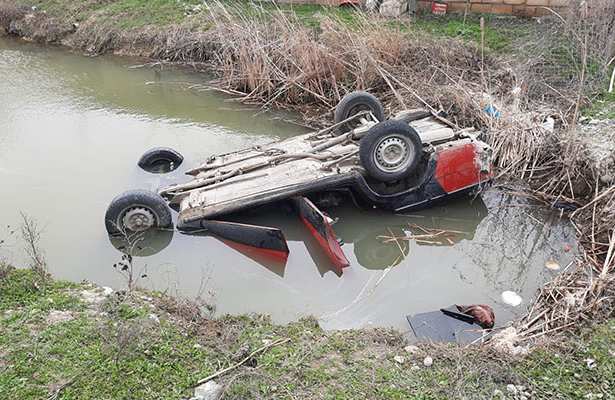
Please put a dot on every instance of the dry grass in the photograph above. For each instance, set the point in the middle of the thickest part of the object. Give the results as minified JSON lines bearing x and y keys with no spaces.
{"x":274,"y":60}
{"x":587,"y":292}
{"x":563,"y":175}
{"x":9,"y":11}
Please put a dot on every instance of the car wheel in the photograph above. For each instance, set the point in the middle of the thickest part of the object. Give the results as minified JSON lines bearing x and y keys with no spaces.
{"x":160,"y":160}
{"x":352,"y":104}
{"x":390,"y":151}
{"x":137,"y":211}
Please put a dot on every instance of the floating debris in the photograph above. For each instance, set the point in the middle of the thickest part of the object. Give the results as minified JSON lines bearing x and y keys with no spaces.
{"x":482,"y":313}
{"x":511,"y":298}
{"x":426,"y":236}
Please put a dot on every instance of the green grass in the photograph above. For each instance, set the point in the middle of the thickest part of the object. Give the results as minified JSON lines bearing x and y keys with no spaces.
{"x":565,"y":374}
{"x":499,"y":35}
{"x":603,"y":107}
{"x":124,"y":354}
{"x":137,"y":13}
{"x":311,"y":14}
{"x":124,"y":14}
{"x":24,"y":288}
{"x":128,"y":14}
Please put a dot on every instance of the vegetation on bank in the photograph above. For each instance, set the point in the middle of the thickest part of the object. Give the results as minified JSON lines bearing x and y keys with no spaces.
{"x":130,"y":14}
{"x":67,"y":341}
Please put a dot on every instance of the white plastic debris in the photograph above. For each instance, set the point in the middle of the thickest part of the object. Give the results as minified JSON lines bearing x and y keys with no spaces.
{"x":372,"y":5}
{"x":428,"y":361}
{"x":107,"y":290}
{"x":552,"y":265}
{"x":399,"y":359}
{"x":591,"y":363}
{"x":511,"y":298}
{"x":548,"y":124}
{"x":570,"y":299}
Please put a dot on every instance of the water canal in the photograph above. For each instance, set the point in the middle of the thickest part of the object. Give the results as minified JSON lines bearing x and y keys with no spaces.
{"x":72,"y":128}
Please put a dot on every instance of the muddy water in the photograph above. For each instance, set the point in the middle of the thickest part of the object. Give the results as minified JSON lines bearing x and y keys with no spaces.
{"x":72,"y":128}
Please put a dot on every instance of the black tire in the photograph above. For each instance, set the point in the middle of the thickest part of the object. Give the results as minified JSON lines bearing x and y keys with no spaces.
{"x":133,"y":199}
{"x":400,"y":136}
{"x":160,"y":160}
{"x":353,"y":103}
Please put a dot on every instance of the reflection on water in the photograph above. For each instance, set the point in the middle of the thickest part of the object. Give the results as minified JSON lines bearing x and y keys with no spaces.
{"x":142,"y":244}
{"x":72,"y":129}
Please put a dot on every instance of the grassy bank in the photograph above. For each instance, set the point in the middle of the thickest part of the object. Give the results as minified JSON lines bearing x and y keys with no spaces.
{"x":67,"y":341}
{"x":128,"y":14}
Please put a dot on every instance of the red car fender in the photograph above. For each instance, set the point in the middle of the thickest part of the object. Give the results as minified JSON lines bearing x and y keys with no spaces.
{"x":463,"y":166}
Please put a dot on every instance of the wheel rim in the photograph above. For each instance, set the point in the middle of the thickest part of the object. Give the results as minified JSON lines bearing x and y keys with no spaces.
{"x":392,"y":154}
{"x":138,"y":219}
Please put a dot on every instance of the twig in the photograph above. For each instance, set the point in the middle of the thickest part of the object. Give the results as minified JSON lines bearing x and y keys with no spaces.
{"x":240,"y":363}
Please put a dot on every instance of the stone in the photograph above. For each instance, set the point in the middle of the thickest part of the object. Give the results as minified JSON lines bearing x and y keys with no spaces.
{"x":506,"y":341}
{"x":57,"y":317}
{"x":393,"y":8}
{"x":208,"y":391}
{"x":411,"y":349}
{"x":95,"y":295}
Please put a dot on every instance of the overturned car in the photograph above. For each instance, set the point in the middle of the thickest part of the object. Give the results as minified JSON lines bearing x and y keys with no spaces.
{"x":410,"y":161}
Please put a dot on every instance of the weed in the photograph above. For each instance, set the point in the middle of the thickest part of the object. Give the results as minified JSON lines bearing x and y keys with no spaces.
{"x":602,"y":107}
{"x":127,"y":355}
{"x":9,"y":11}
{"x":31,"y":235}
